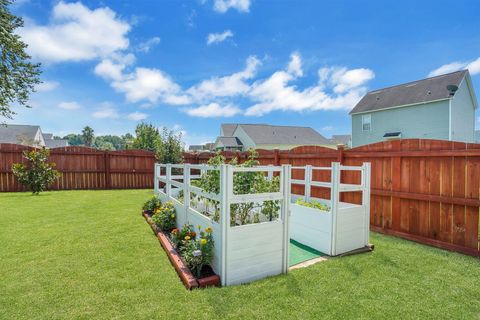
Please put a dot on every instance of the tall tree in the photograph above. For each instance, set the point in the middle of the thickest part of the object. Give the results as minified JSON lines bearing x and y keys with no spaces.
{"x":18,"y":76}
{"x":88,"y":136}
{"x":172,"y":147}
{"x":147,"y":138}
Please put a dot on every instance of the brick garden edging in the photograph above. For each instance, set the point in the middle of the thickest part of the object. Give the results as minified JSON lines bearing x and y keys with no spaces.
{"x":188,"y":279}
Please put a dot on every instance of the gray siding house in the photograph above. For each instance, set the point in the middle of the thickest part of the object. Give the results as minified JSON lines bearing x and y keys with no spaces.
{"x":441,"y":107}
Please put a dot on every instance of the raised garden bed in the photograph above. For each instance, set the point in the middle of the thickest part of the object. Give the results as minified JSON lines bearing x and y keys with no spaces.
{"x":207,"y":278}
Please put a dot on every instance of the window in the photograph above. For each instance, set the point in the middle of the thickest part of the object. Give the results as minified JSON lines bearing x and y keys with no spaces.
{"x":366,"y":122}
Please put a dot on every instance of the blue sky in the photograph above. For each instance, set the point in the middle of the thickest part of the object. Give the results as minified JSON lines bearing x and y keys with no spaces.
{"x":191,"y":65}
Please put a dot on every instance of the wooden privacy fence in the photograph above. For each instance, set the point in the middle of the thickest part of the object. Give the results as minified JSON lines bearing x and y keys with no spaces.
{"x":423,"y":190}
{"x":85,"y":168}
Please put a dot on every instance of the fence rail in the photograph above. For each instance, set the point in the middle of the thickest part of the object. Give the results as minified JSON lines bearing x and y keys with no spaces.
{"x":84,"y":168}
{"x":423,"y":190}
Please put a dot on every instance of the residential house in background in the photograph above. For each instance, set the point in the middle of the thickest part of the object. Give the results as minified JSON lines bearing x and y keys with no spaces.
{"x":209,"y":146}
{"x":22,"y":134}
{"x":441,"y":107}
{"x":242,"y":137}
{"x":29,"y":135}
{"x":344,"y":139}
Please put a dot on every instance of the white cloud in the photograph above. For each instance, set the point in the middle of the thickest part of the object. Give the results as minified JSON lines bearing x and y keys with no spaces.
{"x":147,"y":45}
{"x":213,"y":110}
{"x":71,"y":105}
{"x":109,"y":70}
{"x":226,"y":86}
{"x":223,"y":6}
{"x":106,"y":111}
{"x":472,"y":66}
{"x":137,"y":116}
{"x":151,"y":85}
{"x":219,"y":37}
{"x":295,"y":65}
{"x":76,"y":33}
{"x":46,"y":86}
{"x":327,"y":128}
{"x":275,"y":93}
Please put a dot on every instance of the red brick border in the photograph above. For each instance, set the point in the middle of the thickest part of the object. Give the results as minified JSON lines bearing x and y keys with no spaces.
{"x":183,"y":271}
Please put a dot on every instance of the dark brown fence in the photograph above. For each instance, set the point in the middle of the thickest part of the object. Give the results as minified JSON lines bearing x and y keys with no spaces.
{"x":422,"y":190}
{"x":85,"y":168}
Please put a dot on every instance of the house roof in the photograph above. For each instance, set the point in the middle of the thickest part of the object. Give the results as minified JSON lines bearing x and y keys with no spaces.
{"x":17,"y":133}
{"x":47,"y":136}
{"x":230,"y":141}
{"x":228,"y":129}
{"x":195,"y":147}
{"x":341,"y":138}
{"x":55,"y":143}
{"x":420,"y":91}
{"x":268,"y":134}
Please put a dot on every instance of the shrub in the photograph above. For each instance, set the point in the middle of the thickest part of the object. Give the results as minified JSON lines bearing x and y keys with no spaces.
{"x":152,"y":204}
{"x":164,"y":217}
{"x":312,"y":204}
{"x":198,"y":253}
{"x":37,"y":174}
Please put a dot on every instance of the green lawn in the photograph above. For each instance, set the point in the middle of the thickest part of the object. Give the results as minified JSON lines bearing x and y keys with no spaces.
{"x":90,"y":255}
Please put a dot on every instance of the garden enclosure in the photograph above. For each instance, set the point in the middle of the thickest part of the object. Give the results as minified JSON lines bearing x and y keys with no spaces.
{"x":259,"y":248}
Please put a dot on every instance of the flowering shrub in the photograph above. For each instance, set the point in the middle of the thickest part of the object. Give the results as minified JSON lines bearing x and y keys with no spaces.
{"x":312,"y":204}
{"x":198,"y":253}
{"x":179,"y":236}
{"x":152,"y":204}
{"x":164,"y":217}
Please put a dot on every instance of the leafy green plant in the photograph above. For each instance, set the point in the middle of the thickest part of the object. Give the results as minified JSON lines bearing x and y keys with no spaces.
{"x":198,"y":253}
{"x":37,"y":174}
{"x":152,"y":204}
{"x":164,"y":217}
{"x":312,"y":204}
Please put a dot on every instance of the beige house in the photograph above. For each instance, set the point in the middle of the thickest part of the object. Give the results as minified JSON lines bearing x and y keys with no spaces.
{"x":242,"y":137}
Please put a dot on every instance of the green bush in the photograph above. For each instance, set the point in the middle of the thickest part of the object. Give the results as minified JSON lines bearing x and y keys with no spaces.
{"x":312,"y":204}
{"x":179,"y":236}
{"x":198,"y":253}
{"x":37,"y":174}
{"x":164,"y":217}
{"x":152,"y":204}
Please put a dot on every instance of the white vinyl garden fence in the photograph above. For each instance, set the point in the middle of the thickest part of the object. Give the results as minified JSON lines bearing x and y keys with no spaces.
{"x":248,"y":252}
{"x":342,"y":227}
{"x":243,"y":253}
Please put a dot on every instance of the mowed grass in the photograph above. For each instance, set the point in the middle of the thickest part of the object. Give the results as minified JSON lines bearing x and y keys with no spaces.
{"x":90,"y":255}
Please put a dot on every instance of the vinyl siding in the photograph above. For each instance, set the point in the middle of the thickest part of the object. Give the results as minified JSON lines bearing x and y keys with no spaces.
{"x":463,"y":115}
{"x":426,"y":121}
{"x":244,"y":138}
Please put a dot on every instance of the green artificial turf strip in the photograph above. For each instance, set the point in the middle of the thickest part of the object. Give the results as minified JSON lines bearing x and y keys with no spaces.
{"x":90,"y":255}
{"x":299,"y":253}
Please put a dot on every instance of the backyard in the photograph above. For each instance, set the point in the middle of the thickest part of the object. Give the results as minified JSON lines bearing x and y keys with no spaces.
{"x":90,"y":254}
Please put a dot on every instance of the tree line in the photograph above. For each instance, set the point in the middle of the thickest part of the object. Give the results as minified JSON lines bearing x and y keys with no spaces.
{"x":166,"y":144}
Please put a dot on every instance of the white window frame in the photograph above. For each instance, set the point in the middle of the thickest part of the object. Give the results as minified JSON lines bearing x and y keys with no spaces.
{"x":365,"y":121}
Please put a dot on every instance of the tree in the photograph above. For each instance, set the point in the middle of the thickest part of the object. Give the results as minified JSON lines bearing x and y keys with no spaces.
{"x":147,"y":138}
{"x":74,"y":139}
{"x":37,"y":174}
{"x":18,"y":76}
{"x":87,"y":135}
{"x":171,"y":150}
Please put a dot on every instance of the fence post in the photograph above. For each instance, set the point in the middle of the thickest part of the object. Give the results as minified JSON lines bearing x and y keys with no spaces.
{"x":334,"y":197}
{"x":366,"y":198}
{"x":168,"y":183}
{"x":225,"y":179}
{"x":270,"y":173}
{"x":276,"y":157}
{"x":286,"y":180}
{"x":186,"y":190}
{"x":106,"y":159}
{"x":308,"y":182}
{"x":156,"y":168}
{"x":340,"y":149}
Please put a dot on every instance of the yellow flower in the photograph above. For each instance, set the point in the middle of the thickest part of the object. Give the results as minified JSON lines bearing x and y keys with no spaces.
{"x":208,"y":230}
{"x":203,"y":241}
{"x":187,"y":238}
{"x":157,"y":211}
{"x":173,"y":216}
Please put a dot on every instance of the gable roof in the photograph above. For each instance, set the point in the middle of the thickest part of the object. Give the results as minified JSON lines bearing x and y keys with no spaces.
{"x":228,"y":129}
{"x":56,"y":143}
{"x":18,"y":133}
{"x":420,"y":91}
{"x":229,"y":141}
{"x":47,"y":136}
{"x":341,"y":138}
{"x":268,"y":134}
